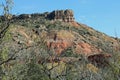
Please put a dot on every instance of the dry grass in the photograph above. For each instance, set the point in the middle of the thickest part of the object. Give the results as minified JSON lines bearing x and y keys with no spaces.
{"x":63,"y":34}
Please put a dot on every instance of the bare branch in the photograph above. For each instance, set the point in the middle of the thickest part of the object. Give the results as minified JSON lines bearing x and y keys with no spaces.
{"x":9,"y":59}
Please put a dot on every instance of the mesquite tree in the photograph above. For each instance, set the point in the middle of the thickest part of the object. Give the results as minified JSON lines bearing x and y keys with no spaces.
{"x":7,"y":7}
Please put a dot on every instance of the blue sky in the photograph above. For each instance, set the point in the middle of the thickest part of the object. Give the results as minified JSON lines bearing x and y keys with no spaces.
{"x":102,"y":15}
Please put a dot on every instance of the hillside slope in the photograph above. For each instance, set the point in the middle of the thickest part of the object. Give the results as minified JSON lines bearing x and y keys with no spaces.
{"x":56,"y":39}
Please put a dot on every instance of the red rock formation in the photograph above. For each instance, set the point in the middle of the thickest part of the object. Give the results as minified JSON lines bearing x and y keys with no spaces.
{"x":58,"y":46}
{"x":62,"y":15}
{"x":86,"y":49}
{"x":60,"y":41}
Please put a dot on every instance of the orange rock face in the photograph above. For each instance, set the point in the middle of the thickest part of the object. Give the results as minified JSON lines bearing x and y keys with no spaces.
{"x":83,"y":48}
{"x":58,"y":46}
{"x":86,"y":49}
{"x":59,"y":41}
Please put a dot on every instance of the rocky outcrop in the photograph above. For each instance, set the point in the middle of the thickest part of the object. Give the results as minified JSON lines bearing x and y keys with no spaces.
{"x":59,"y":15}
{"x":59,"y":41}
{"x":62,"y":15}
{"x":86,"y":49}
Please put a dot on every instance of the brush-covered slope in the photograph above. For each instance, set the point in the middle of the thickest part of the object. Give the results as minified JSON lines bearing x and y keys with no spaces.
{"x":27,"y":29}
{"x":48,"y":38}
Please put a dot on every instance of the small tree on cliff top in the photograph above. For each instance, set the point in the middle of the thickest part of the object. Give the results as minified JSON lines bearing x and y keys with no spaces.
{"x":7,"y":7}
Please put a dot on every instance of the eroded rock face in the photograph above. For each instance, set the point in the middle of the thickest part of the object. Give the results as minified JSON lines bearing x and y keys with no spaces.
{"x":86,"y":49}
{"x":62,"y":15}
{"x":59,"y":41}
{"x":59,"y":46}
{"x":59,"y":15}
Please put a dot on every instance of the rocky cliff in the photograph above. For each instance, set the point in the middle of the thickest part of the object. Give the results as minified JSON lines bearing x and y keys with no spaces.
{"x":62,"y":15}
